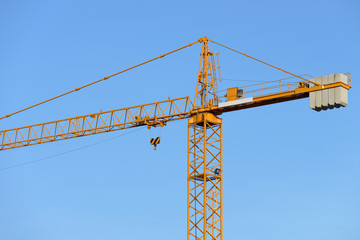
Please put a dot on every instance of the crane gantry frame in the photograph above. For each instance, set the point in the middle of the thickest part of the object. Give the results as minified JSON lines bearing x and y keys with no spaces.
{"x":204,"y":177}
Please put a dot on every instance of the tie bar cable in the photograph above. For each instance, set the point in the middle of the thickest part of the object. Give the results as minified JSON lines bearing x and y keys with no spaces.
{"x":100,"y":80}
{"x":244,"y":54}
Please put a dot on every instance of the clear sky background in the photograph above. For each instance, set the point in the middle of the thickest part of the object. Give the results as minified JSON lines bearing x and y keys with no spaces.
{"x":289,"y":172}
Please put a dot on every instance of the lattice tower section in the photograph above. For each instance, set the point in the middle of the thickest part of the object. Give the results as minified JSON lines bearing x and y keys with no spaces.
{"x":206,"y":86}
{"x":205,"y":177}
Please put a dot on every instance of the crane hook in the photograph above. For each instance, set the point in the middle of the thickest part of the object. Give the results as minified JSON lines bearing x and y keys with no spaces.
{"x":155,"y":142}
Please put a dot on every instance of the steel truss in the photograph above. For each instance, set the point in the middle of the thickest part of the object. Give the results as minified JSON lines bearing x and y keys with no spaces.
{"x":205,"y":194}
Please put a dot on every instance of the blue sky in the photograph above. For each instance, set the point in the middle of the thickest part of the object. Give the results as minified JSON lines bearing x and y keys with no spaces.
{"x":289,"y":172}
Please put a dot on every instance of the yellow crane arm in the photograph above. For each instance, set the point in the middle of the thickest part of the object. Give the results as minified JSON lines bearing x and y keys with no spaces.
{"x":157,"y":113}
{"x":205,"y":163}
{"x":272,"y":92}
{"x":151,"y":114}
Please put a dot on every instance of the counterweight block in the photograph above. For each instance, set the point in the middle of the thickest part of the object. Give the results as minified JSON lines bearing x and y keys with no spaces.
{"x":331,"y":97}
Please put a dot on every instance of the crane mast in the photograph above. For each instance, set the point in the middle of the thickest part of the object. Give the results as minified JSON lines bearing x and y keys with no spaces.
{"x":204,"y":141}
{"x":204,"y":178}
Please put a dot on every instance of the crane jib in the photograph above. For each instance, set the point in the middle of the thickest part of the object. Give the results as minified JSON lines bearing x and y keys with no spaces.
{"x":205,"y":165}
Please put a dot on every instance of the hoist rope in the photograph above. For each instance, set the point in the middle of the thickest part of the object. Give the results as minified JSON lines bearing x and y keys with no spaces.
{"x":244,"y":54}
{"x":100,"y":80}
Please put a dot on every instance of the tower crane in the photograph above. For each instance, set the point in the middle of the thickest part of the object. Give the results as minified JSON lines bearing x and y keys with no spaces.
{"x":204,"y":154}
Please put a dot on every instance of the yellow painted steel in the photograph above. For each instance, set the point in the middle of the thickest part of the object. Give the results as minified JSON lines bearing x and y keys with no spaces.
{"x":206,"y":86}
{"x":232,"y":94}
{"x":205,"y":156}
{"x":155,"y":142}
{"x":205,"y":204}
{"x":300,"y":90}
{"x":102,"y":79}
{"x":206,"y":99}
{"x":270,"y":65}
{"x":205,"y":161}
{"x":152,"y":114}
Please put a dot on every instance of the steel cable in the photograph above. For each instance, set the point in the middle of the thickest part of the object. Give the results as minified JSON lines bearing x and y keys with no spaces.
{"x":244,"y":54}
{"x":70,"y":151}
{"x":100,"y":80}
